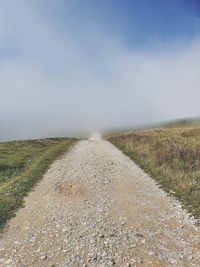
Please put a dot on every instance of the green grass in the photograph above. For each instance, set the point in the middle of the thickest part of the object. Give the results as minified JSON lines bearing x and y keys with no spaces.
{"x":171,"y":155}
{"x":22,"y":165}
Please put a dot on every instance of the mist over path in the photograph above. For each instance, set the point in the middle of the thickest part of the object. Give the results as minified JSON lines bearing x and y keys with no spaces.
{"x":95,"y":207}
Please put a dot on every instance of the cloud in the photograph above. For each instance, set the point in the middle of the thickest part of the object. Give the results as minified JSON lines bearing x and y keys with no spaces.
{"x":67,"y":77}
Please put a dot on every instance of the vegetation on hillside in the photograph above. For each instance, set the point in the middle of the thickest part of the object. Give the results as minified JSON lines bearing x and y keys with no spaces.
{"x":22,"y":165}
{"x":171,"y":155}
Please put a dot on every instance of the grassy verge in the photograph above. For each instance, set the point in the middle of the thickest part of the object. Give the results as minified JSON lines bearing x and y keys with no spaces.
{"x":171,"y":155}
{"x":22,"y":165}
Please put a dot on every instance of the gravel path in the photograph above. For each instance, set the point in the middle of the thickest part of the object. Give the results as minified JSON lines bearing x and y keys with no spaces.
{"x":95,"y":207}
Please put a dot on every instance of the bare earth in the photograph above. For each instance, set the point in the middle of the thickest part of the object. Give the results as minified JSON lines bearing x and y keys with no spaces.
{"x":95,"y":207}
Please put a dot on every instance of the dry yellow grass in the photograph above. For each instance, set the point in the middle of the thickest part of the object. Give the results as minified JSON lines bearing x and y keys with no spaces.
{"x":171,"y":155}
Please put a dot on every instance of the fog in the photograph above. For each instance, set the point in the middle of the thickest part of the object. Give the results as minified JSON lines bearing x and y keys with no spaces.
{"x":69,"y":78}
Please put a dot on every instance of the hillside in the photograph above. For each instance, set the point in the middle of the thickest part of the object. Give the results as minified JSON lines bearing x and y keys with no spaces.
{"x":22,"y":165}
{"x":171,"y":155}
{"x":96,"y":208}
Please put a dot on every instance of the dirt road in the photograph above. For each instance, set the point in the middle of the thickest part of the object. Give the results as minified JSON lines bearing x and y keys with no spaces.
{"x":95,"y":207}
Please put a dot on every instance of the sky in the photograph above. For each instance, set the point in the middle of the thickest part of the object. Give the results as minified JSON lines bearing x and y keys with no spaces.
{"x":71,"y":66}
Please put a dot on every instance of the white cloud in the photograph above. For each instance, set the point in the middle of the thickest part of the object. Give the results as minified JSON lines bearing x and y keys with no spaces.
{"x":65,"y":78}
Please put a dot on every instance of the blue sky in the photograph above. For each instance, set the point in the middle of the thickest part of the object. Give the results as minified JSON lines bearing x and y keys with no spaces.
{"x":137,"y":22}
{"x":73,"y":66}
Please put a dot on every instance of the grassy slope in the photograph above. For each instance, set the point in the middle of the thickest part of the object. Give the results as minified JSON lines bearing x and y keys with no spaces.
{"x":22,"y":165}
{"x":171,"y":155}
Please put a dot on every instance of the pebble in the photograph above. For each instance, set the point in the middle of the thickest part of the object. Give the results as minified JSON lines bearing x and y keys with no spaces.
{"x":43,"y":257}
{"x":9,"y":261}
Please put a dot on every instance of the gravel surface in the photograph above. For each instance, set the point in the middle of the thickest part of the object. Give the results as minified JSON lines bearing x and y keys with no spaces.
{"x":95,"y":207}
